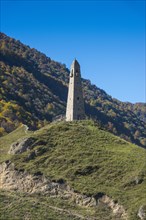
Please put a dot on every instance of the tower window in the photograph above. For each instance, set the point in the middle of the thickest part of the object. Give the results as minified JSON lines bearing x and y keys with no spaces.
{"x":78,"y":98}
{"x":71,"y":73}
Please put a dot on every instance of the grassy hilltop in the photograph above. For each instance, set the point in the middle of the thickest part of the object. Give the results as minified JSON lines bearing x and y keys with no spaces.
{"x":33,"y":90}
{"x":88,"y":159}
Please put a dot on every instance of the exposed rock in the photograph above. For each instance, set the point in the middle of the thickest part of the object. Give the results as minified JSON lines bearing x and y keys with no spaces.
{"x":117,"y":209}
{"x":13,"y":179}
{"x":21,"y":146}
{"x":31,"y":156}
{"x":142,"y":212}
{"x":138,"y":180}
{"x":26,"y":128}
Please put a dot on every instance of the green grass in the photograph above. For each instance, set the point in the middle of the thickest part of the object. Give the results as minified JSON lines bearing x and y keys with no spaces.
{"x":89,"y":159}
{"x":7,"y":140}
{"x":20,"y":206}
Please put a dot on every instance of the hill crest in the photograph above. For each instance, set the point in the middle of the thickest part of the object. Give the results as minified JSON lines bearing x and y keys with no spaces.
{"x":34,"y":91}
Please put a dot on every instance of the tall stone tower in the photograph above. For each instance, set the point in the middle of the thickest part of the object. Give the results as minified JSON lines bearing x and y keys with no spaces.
{"x":75,"y":103}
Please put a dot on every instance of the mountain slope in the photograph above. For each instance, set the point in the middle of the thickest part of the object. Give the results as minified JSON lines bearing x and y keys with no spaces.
{"x":33,"y":90}
{"x":84,"y":162}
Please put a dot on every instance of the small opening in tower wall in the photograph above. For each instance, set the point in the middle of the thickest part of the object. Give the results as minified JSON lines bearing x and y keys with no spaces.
{"x":71,"y":74}
{"x":78,"y":98}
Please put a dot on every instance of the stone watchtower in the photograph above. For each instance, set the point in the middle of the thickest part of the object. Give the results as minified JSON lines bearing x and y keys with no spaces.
{"x":75,"y":103}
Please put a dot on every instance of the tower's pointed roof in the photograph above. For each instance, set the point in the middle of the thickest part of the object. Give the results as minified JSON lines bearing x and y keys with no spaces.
{"x":75,"y":63}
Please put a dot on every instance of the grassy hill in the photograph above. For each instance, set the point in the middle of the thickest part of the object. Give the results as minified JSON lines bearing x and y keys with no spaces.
{"x":90,"y":160}
{"x":33,"y":90}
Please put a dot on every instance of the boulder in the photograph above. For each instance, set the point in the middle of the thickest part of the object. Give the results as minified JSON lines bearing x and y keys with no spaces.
{"x":142,"y":212}
{"x":21,"y":145}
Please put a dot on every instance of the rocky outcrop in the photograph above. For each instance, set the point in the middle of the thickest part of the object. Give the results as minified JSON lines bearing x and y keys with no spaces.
{"x":142,"y":212}
{"x":13,"y":179}
{"x":117,"y":209}
{"x":21,"y":146}
{"x":19,"y":180}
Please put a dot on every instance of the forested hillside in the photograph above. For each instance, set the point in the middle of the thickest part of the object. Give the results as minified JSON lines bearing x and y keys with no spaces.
{"x":33,"y":90}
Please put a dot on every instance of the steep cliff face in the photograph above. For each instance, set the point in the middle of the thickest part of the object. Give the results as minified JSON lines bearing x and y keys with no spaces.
{"x":33,"y":90}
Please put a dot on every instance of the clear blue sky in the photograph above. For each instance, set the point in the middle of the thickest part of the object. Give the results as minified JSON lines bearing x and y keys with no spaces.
{"x":106,"y":37}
